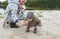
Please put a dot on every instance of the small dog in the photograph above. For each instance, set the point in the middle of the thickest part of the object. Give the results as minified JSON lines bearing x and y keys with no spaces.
{"x":33,"y":21}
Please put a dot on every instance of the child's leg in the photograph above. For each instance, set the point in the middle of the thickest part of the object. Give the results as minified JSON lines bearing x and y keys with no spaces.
{"x":35,"y":29}
{"x":28,"y":29}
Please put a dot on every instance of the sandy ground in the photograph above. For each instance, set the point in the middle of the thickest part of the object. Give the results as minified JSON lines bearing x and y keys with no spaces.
{"x":50,"y":28}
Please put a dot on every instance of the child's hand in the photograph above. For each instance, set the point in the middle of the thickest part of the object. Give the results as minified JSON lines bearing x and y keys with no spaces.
{"x":25,"y":23}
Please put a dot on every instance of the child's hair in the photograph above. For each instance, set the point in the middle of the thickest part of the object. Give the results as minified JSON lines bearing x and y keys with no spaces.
{"x":30,"y":15}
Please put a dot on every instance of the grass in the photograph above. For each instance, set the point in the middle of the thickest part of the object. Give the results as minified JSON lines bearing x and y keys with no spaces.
{"x":39,"y":15}
{"x":33,"y":8}
{"x":37,"y":8}
{"x":1,"y":16}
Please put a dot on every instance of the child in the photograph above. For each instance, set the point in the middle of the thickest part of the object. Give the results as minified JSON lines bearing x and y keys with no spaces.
{"x":33,"y":21}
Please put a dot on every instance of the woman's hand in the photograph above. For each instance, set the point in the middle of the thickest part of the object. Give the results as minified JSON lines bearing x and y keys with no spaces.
{"x":21,"y":22}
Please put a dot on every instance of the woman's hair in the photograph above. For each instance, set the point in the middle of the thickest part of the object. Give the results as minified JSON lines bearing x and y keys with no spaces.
{"x":30,"y":15}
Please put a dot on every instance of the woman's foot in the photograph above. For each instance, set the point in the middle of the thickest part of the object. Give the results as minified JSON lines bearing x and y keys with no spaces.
{"x":13,"y":25}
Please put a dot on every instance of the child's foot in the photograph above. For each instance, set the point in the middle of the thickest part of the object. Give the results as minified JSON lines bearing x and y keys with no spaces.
{"x":35,"y":32}
{"x":27,"y":30}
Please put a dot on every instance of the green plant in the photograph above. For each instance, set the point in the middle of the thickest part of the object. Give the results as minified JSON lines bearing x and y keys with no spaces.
{"x":39,"y":15}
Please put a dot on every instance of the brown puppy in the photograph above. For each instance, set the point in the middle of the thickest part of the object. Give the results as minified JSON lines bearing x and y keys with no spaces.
{"x":33,"y":21}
